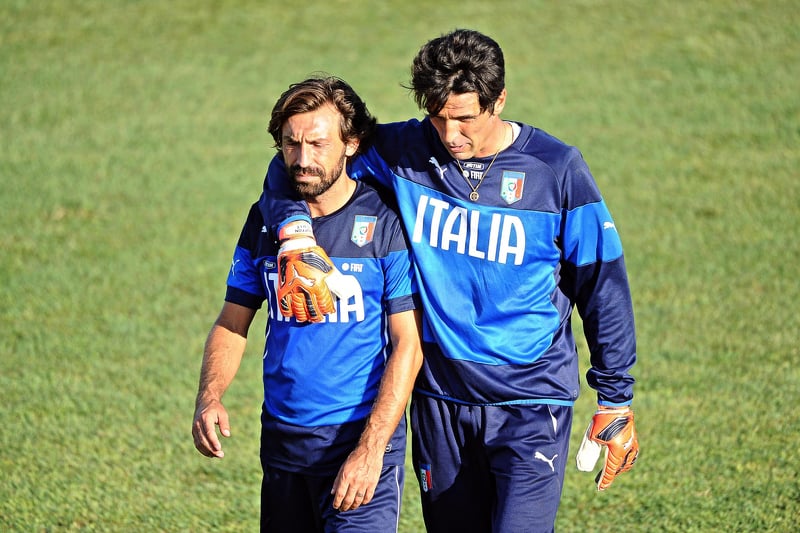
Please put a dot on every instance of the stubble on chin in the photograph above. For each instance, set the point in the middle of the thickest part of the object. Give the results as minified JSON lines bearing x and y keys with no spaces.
{"x":311,"y":190}
{"x":308,"y":189}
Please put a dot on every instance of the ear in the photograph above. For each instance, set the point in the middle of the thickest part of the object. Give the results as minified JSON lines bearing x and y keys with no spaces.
{"x":351,"y":147}
{"x":500,"y":103}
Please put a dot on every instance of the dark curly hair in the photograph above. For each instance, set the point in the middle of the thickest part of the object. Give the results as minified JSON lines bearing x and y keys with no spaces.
{"x":313,"y":93}
{"x":463,"y":61}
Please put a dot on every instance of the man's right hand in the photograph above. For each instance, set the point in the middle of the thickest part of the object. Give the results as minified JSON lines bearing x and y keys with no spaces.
{"x":302,"y":289}
{"x":207,"y":417}
{"x":308,"y":280}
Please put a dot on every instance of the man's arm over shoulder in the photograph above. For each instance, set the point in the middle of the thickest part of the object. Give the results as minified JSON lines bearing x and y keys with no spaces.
{"x":279,"y":201}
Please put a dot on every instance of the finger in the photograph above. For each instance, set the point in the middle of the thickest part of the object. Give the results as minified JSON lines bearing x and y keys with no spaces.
{"x":368,"y":495}
{"x":629,"y":460}
{"x":343,"y":500}
{"x":358,"y":501}
{"x":312,"y":307}
{"x":606,"y":474}
{"x":604,"y":479}
{"x":211,"y":439}
{"x":297,"y":304}
{"x":224,"y":424}
{"x":353,"y":500}
{"x":285,"y":307}
{"x":342,"y":286}
{"x":347,"y":497}
{"x":209,"y":436}
{"x":339,"y":495}
{"x":339,"y":490}
{"x":200,"y":441}
{"x":205,"y":437}
{"x":588,"y":453}
{"x":616,"y":466}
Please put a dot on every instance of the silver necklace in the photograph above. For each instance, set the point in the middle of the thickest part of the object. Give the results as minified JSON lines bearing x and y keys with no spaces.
{"x":465,"y":173}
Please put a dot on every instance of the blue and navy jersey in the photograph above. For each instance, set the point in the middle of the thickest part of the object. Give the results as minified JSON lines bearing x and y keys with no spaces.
{"x":499,"y":276}
{"x":328,"y":374}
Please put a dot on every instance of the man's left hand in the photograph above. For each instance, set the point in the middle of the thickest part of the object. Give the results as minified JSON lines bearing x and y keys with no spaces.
{"x":612,"y":428}
{"x":357,"y":479}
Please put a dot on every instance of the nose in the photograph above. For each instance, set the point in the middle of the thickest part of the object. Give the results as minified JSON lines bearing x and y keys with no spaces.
{"x":304,"y":155}
{"x":450,"y":131}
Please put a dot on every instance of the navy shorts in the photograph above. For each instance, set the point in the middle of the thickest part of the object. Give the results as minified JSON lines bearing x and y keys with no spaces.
{"x":489,"y":468}
{"x":299,"y":503}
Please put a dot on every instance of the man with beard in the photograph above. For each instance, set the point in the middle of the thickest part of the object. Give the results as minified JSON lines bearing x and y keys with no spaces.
{"x":333,"y":423}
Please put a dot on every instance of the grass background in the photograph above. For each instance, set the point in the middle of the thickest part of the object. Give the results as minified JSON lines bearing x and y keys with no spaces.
{"x":133,"y":139}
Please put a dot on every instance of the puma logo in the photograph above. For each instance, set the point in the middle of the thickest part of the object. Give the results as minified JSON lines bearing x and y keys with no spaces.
{"x":439,"y":170}
{"x":542,"y":457}
{"x":233,"y":267}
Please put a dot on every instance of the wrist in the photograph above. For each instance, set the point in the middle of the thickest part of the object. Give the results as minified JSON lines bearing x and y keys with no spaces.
{"x":205,"y":399}
{"x":373,"y":440}
{"x":296,"y":227}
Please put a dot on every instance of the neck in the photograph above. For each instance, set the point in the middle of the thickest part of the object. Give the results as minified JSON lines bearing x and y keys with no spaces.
{"x":334,"y":198}
{"x":500,"y":140}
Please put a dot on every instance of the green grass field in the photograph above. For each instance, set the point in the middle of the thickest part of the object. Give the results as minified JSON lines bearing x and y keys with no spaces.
{"x":133,"y":139}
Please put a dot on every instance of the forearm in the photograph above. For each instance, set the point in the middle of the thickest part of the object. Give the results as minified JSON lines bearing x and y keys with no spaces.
{"x":221,"y":359}
{"x":278,"y":201}
{"x":393,"y":394}
{"x":608,"y":324}
{"x":355,"y":484}
{"x":223,"y":352}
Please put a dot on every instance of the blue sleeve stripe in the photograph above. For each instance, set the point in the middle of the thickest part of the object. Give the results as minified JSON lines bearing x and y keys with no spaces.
{"x":610,"y":404}
{"x":589,"y":235}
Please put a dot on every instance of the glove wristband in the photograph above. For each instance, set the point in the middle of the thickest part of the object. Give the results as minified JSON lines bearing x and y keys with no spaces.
{"x":605,"y":410}
{"x":294,"y":228}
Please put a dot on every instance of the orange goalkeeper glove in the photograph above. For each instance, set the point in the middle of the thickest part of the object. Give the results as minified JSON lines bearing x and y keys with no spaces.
{"x":308,"y":281}
{"x":612,"y":428}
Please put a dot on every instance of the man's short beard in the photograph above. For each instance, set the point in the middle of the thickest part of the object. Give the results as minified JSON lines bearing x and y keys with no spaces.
{"x":309,"y":191}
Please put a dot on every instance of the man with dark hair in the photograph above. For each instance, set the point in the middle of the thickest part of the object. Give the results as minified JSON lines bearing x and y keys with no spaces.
{"x":509,"y":233}
{"x":333,"y":427}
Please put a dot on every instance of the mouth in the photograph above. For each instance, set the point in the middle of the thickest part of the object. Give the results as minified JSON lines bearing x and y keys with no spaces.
{"x":305,"y":173}
{"x":456,"y":149}
{"x":460,"y":152}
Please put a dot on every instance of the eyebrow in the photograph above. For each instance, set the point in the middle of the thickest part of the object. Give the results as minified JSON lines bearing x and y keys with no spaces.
{"x":289,"y":138}
{"x":457,"y":117}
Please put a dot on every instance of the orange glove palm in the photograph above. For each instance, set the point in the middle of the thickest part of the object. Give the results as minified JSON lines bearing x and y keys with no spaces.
{"x":308,"y":281}
{"x":612,"y":428}
{"x":302,"y":291}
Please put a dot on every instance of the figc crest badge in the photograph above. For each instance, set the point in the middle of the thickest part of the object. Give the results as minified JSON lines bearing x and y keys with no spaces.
{"x":363,"y":229}
{"x":511,"y":186}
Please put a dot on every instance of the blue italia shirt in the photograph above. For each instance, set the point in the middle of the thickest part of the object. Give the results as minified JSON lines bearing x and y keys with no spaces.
{"x":320,"y":379}
{"x":500,"y":276}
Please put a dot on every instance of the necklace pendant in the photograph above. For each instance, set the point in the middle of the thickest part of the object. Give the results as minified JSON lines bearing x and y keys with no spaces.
{"x":474,"y":196}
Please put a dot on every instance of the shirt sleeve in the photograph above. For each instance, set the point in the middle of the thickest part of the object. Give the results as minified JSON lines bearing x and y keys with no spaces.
{"x":400,"y":285}
{"x":594,"y":272}
{"x":244,"y":286}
